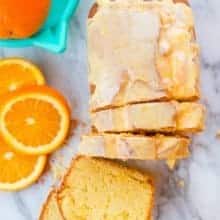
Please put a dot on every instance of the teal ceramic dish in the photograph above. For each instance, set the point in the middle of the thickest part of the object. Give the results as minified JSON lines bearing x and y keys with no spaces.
{"x":53,"y":34}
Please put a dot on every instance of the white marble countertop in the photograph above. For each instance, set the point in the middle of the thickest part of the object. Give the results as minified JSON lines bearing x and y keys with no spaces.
{"x":199,"y":198}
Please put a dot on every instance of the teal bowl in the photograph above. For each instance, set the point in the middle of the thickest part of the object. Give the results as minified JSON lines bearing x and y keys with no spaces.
{"x":53,"y":34}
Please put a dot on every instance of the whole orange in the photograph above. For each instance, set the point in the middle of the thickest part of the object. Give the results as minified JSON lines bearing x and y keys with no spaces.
{"x":22,"y":18}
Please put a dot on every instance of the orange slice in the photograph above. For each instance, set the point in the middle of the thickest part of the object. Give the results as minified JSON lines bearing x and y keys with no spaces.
{"x":34,"y":120}
{"x":16,"y":73}
{"x":18,"y":170}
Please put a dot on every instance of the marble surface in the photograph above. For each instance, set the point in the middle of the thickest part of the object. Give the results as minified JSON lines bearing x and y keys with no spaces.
{"x":199,"y":197}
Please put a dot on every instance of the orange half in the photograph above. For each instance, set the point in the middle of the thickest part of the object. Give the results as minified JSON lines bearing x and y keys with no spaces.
{"x":16,"y":73}
{"x":18,"y":171}
{"x":22,"y":18}
{"x":34,"y":120}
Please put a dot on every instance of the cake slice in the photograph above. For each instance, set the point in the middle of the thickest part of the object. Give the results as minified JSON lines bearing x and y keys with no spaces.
{"x":98,"y":189}
{"x":50,"y":210}
{"x":146,"y":51}
{"x":151,"y":117}
{"x":127,"y":146}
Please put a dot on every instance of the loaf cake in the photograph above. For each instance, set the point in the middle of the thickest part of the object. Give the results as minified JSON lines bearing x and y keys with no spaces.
{"x":144,"y":81}
{"x":98,"y":189}
{"x":141,"y":51}
{"x":127,"y":146}
{"x":150,"y":117}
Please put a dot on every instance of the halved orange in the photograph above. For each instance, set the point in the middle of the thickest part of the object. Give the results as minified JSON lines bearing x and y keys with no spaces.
{"x":34,"y":120}
{"x":16,"y":73}
{"x":23,"y":18}
{"x":18,"y":170}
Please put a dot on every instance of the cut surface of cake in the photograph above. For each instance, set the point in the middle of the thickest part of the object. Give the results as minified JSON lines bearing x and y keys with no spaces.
{"x":50,"y":210}
{"x":98,"y":189}
{"x":151,"y":117}
{"x":127,"y":146}
{"x":141,"y":51}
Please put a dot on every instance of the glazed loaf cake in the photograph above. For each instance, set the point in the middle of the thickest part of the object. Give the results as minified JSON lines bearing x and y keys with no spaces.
{"x":141,"y":51}
{"x":144,"y":78}
{"x":98,"y":189}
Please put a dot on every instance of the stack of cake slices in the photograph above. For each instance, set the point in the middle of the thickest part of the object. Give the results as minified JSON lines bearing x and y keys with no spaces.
{"x":144,"y":80}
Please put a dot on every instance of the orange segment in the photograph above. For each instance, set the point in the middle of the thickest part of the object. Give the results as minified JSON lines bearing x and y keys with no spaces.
{"x":16,"y":73}
{"x":34,"y":120}
{"x":18,"y":170}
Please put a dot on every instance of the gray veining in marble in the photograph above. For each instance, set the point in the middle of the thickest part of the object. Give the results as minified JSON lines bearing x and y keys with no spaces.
{"x":199,"y":198}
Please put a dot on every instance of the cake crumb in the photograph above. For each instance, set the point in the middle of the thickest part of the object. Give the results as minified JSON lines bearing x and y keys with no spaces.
{"x":218,"y":134}
{"x":57,"y":169}
{"x":171,"y":163}
{"x":181,"y":183}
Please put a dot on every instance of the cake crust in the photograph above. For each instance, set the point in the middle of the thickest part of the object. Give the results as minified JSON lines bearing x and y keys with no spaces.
{"x":50,"y":209}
